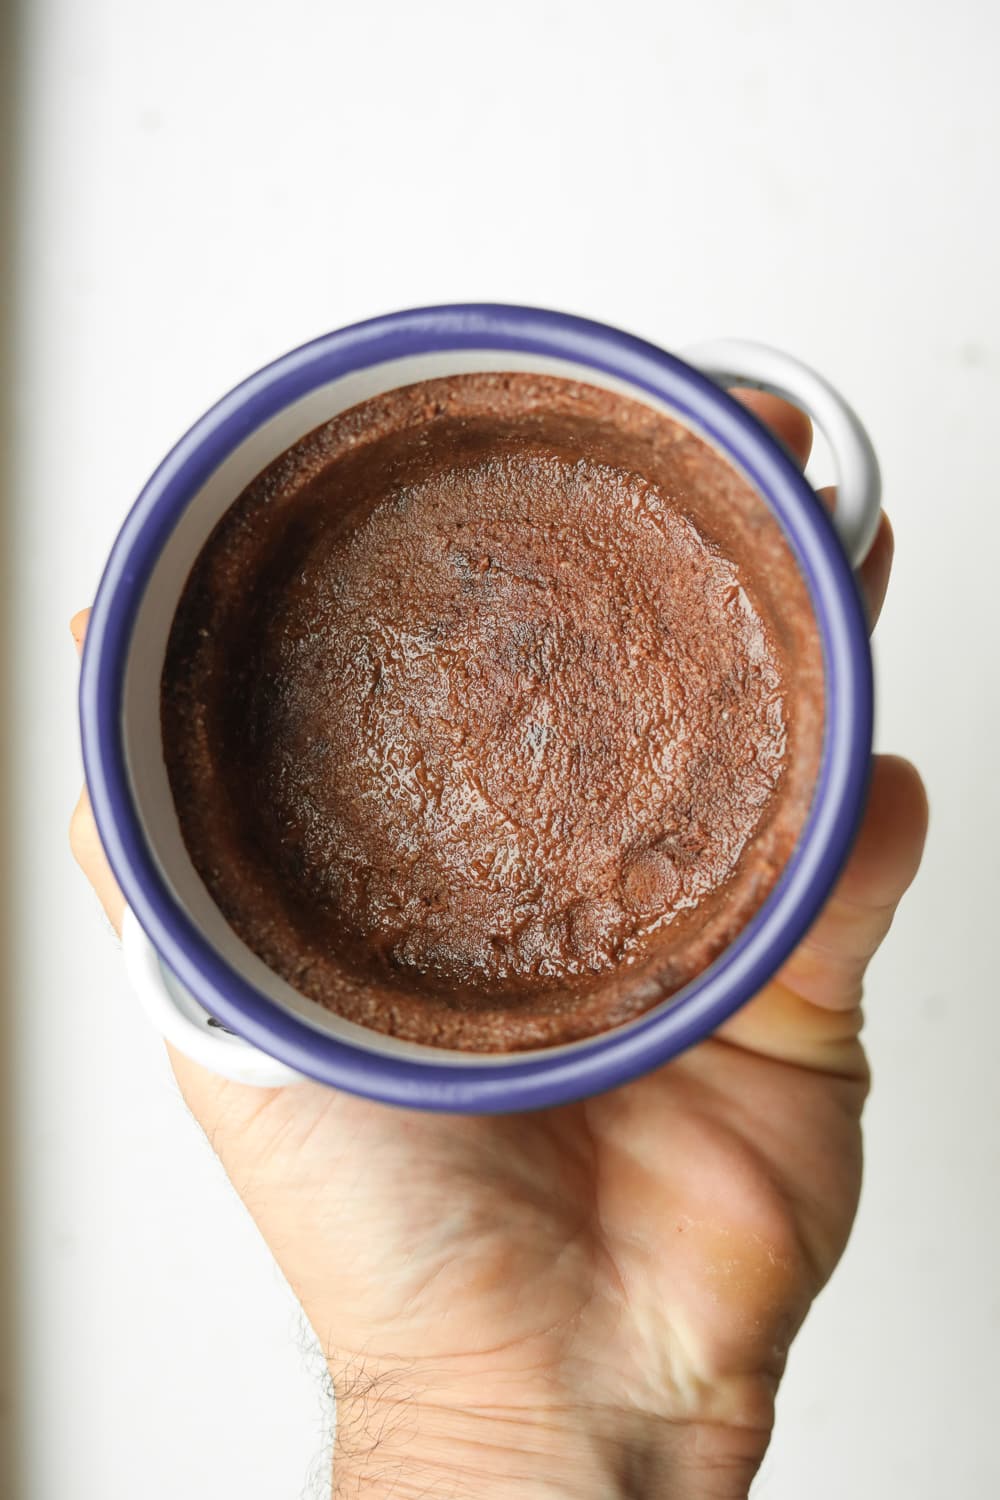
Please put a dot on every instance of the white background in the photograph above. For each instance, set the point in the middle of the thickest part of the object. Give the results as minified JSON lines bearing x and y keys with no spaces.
{"x":205,"y":185}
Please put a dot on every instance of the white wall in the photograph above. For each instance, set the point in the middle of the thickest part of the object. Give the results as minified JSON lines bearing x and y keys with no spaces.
{"x":206,"y":185}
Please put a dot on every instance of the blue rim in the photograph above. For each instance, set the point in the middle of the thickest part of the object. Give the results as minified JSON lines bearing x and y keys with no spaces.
{"x":609,"y":1060}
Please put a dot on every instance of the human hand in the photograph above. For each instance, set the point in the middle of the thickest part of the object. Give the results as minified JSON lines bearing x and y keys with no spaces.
{"x":595,"y":1300}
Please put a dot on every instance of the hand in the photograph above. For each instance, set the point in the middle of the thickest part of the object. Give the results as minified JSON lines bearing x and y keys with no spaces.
{"x":595,"y":1300}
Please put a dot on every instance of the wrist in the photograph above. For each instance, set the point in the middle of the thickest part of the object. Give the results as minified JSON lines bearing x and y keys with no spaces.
{"x":396,"y":1440}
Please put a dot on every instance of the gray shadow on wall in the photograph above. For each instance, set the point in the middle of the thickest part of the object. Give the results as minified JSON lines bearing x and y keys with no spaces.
{"x":11,"y":37}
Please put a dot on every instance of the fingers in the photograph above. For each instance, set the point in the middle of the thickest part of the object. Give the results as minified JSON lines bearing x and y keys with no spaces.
{"x":88,"y":852}
{"x":786,"y":421}
{"x":84,"y":839}
{"x":810,"y":1013}
{"x":78,"y":628}
{"x":794,"y":429}
{"x":873,"y":574}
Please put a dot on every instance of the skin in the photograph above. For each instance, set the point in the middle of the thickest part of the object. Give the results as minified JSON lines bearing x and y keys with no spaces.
{"x":595,"y":1300}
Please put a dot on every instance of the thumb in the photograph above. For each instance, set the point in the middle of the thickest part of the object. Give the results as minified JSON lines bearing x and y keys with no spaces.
{"x":828,"y":966}
{"x":810,"y":1013}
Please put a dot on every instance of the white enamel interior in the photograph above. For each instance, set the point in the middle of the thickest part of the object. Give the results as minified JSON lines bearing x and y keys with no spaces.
{"x":143,"y":743}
